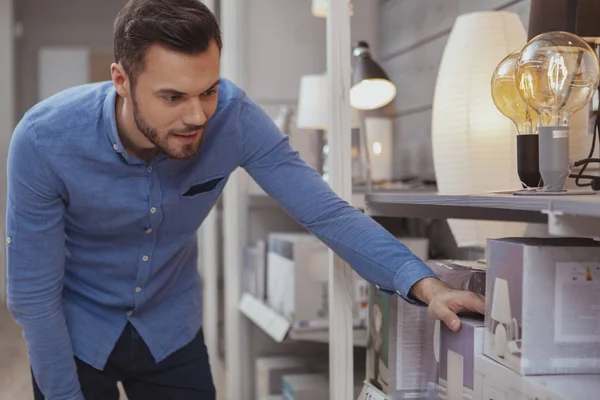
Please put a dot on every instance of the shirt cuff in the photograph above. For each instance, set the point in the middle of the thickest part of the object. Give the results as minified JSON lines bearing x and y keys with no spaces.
{"x":407,"y":276}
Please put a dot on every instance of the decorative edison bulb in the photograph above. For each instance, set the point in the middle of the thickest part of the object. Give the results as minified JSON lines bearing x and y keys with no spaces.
{"x":556,"y":75}
{"x":508,"y":100}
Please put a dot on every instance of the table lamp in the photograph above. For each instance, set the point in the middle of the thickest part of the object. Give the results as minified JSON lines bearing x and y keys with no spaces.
{"x":557,"y":74}
{"x":474,"y":146}
{"x":319,"y":8}
{"x":581,"y":18}
{"x":313,"y":112}
{"x":371,"y":88}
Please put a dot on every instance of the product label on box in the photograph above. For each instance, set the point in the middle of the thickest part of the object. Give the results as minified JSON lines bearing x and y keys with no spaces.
{"x":577,"y":303}
{"x":415,"y":361}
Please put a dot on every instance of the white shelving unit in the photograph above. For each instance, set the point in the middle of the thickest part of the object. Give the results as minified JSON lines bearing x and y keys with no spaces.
{"x":235,"y":207}
{"x":565,"y":215}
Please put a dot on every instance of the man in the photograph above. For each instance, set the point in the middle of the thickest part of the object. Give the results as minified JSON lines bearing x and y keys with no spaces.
{"x":108,"y":184}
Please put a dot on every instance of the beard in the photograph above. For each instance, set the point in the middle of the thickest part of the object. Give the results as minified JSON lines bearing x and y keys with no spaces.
{"x":185,"y":152}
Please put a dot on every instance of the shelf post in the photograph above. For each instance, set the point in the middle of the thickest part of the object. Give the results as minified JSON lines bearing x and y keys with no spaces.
{"x":341,"y":280}
{"x":7,"y":108}
{"x":209,"y":265}
{"x":235,"y":222}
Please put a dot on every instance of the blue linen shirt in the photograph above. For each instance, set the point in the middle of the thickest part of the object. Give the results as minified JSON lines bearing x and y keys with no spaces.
{"x":97,"y":238}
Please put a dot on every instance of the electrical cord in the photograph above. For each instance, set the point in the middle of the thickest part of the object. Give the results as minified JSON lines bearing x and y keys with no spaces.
{"x":594,"y":180}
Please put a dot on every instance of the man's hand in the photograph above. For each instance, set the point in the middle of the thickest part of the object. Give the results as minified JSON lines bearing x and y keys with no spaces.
{"x":445,"y":302}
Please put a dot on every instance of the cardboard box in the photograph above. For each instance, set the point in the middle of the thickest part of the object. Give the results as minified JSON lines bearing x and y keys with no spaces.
{"x":543,"y":305}
{"x":311,"y":387}
{"x":269,"y":372}
{"x":298,"y":279}
{"x":254,"y":270}
{"x":456,"y":353}
{"x":401,"y":335}
{"x":494,"y":381}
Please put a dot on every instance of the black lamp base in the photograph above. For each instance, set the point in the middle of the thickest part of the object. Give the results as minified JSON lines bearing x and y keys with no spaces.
{"x":528,"y":165}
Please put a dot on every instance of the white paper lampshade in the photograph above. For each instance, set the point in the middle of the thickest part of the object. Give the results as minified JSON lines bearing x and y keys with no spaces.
{"x":319,"y":8}
{"x":313,"y":104}
{"x":379,"y":143}
{"x":474,"y":145}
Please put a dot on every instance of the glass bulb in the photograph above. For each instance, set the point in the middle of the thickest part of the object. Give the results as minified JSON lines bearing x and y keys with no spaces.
{"x":371,"y":94}
{"x":508,"y":100}
{"x":557,"y":74}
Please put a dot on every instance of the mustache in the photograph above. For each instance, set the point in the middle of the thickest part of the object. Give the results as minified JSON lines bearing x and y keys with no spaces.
{"x":187,"y":129}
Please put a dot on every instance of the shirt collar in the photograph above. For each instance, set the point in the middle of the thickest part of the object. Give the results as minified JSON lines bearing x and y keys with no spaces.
{"x":110,"y":121}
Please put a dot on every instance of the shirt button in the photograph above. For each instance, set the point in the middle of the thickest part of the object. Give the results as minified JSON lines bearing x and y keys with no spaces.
{"x":149,"y":169}
{"x":115,"y":146}
{"x":138,"y":289}
{"x":145,"y":258}
{"x":129,"y":313}
{"x":377,"y":287}
{"x":153,"y":210}
{"x":149,"y":230}
{"x":8,"y":240}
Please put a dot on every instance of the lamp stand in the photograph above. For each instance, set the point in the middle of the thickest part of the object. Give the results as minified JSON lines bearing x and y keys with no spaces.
{"x":365,"y":158}
{"x":528,"y":164}
{"x":554,"y":156}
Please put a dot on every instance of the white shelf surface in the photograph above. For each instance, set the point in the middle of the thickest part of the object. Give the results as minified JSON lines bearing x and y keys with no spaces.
{"x":566,"y":215}
{"x":280,"y":329}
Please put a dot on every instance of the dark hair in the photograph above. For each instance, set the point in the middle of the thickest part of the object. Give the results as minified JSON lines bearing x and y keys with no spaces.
{"x":186,"y":26}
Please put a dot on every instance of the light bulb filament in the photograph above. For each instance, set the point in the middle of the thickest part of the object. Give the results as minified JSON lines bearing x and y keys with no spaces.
{"x":557,"y":76}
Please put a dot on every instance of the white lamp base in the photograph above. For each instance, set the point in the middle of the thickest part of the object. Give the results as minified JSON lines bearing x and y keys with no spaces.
{"x":500,"y":339}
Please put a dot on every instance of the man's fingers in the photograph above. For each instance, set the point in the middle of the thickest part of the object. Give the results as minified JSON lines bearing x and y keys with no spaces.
{"x":442,"y":312}
{"x":473,"y":302}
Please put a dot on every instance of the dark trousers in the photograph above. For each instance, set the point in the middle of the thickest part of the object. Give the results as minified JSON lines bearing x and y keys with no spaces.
{"x":184,"y":375}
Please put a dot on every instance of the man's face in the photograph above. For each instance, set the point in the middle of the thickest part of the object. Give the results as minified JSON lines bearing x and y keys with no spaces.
{"x":174,"y":97}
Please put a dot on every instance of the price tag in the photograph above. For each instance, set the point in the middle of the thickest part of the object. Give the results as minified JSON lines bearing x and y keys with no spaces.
{"x":370,"y":392}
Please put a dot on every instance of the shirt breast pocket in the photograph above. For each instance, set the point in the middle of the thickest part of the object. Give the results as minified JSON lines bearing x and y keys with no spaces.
{"x":193,"y":202}
{"x":201,"y":188}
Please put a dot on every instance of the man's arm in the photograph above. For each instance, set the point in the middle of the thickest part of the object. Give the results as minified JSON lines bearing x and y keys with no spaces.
{"x":370,"y":249}
{"x":35,"y":265}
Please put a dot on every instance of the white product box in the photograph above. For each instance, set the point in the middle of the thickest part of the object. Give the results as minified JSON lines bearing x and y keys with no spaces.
{"x":291,"y":290}
{"x":305,"y":387}
{"x":254,"y":270}
{"x":455,"y":353}
{"x":543,"y":305}
{"x":269,"y":372}
{"x":402,"y":337}
{"x":311,"y":387}
{"x":297,"y":281}
{"x":494,"y":381}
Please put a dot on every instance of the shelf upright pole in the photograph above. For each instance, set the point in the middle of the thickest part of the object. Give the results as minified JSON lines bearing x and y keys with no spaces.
{"x":209,"y":265}
{"x":7,"y":108}
{"x":341,"y":280}
{"x":235,"y":220}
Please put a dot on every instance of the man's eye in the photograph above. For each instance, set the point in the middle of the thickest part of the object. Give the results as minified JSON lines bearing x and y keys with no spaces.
{"x":211,"y":91}
{"x":172,"y":99}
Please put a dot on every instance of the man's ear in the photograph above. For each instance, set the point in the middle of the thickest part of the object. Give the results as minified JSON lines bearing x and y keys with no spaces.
{"x":120,"y":80}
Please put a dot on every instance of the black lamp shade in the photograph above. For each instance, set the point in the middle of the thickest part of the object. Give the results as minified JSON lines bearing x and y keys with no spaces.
{"x":366,"y":67}
{"x":371,"y":87}
{"x":581,"y":17}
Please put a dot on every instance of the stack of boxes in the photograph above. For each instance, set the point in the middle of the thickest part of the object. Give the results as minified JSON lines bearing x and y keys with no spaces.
{"x":542,"y":320}
{"x":539,"y":338}
{"x":401,"y":351}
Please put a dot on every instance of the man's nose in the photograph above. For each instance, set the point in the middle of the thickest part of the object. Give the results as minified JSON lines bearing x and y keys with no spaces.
{"x":195,"y":114}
